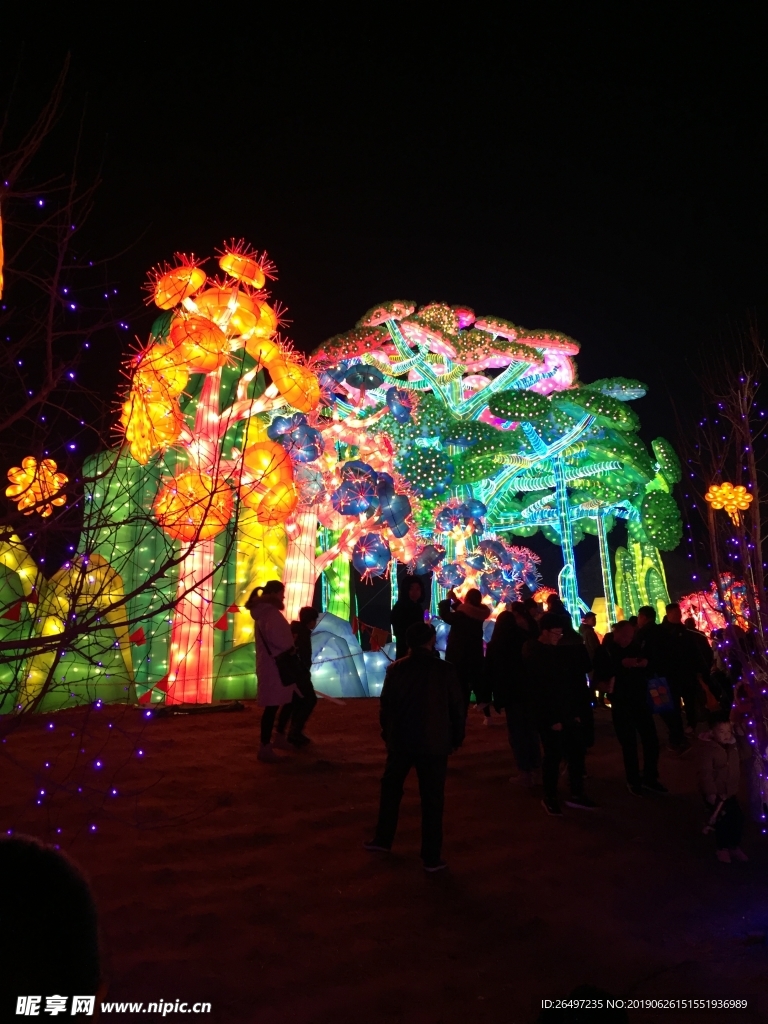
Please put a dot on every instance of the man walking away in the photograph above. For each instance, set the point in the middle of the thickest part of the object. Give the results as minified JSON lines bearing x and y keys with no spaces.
{"x":465,"y":650}
{"x":422,"y":721}
{"x":558,"y":702}
{"x":624,"y":671}
{"x":504,"y":661}
{"x":685,"y":664}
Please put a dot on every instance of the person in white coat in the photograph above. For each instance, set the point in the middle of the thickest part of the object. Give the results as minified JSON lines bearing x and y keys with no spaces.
{"x":273,"y":637}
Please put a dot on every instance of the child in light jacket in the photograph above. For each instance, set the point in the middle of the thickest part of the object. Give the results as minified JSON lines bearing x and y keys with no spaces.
{"x":718,"y":772}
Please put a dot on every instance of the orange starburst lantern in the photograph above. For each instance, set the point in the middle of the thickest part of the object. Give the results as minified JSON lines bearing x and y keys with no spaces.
{"x":159,"y":375}
{"x":171,"y":285}
{"x":297,"y":384}
{"x":263,"y":350}
{"x":194,"y":506}
{"x":243,"y":263}
{"x":149,"y":425}
{"x":199,"y":343}
{"x":277,"y":504}
{"x":33,"y":486}
{"x":267,"y":323}
{"x":267,"y":464}
{"x":732,"y":499}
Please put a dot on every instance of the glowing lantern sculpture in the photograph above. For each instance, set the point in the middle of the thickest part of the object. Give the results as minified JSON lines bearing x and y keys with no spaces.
{"x":36,"y":487}
{"x":733,"y":499}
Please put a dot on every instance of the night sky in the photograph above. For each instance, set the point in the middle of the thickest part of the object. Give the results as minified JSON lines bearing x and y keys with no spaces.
{"x":597,"y":170}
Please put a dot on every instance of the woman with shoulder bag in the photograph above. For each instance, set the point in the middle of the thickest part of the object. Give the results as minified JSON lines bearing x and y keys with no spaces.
{"x":277,"y":663}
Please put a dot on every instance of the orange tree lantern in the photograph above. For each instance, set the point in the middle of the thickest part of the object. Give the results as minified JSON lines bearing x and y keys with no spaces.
{"x":199,"y":343}
{"x":173,"y":284}
{"x":267,"y":323}
{"x":263,"y":350}
{"x":240,"y":261}
{"x":33,"y":485}
{"x":194,"y":506}
{"x":297,"y":384}
{"x":220,"y":304}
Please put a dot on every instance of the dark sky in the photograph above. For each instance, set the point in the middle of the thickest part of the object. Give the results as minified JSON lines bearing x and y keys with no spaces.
{"x":594,"y":170}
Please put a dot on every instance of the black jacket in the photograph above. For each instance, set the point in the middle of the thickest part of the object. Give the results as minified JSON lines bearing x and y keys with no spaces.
{"x":404,"y":613}
{"x":630,"y":684}
{"x":465,"y":648}
{"x":557,"y":680}
{"x":504,"y":659}
{"x":421,"y":708}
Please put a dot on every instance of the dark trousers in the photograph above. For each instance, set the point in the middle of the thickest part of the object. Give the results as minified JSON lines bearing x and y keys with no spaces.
{"x":431,"y":774}
{"x":633,"y":718}
{"x":267,"y":721}
{"x":729,"y":826}
{"x":298,"y":710}
{"x":567,"y":743}
{"x":523,"y":737}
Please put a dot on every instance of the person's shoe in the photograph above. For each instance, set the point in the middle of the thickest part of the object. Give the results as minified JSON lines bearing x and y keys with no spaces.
{"x":280,"y":741}
{"x":432,"y":868}
{"x":655,"y":786}
{"x":552,"y":807}
{"x":267,"y":754}
{"x":373,"y":847}
{"x":635,"y":790}
{"x":738,"y":854}
{"x":523,"y":779}
{"x":581,"y":802}
{"x":298,"y":739}
{"x":723,"y":856}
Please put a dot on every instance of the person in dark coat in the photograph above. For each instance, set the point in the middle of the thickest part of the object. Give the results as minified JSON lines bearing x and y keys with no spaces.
{"x":297,"y":712}
{"x":422,"y":721}
{"x":623,"y":670}
{"x":558,"y":703}
{"x":504,"y":664}
{"x":652,"y":642}
{"x":406,"y":610}
{"x":685,"y":664}
{"x":465,"y":647}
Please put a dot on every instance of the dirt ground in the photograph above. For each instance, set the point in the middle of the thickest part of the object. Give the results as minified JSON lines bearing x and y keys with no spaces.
{"x":219,"y":878}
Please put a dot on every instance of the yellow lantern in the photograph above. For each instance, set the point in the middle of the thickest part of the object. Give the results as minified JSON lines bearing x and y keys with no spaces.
{"x":177,"y":283}
{"x":194,"y":506}
{"x":220,"y":304}
{"x":263,"y":350}
{"x":297,"y":384}
{"x":199,"y":343}
{"x":732,"y":499}
{"x":268,"y":321}
{"x":33,"y":485}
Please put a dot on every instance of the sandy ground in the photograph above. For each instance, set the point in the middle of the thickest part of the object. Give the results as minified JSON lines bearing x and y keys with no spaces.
{"x":223,"y":879}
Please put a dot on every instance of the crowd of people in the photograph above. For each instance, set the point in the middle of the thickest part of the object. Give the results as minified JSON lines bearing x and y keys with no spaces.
{"x":545,"y":676}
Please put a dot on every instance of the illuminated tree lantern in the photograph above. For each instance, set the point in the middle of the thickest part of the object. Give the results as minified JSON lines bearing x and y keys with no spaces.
{"x":174,"y":284}
{"x":221,"y":304}
{"x":268,"y":321}
{"x":297,"y":384}
{"x":194,"y":506}
{"x":33,"y":486}
{"x":263,"y":350}
{"x":200,"y":343}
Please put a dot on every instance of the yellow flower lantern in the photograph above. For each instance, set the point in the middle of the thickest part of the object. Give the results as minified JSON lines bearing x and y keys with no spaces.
{"x":220,"y":304}
{"x":732,"y":499}
{"x":33,"y":486}
{"x":277,"y":504}
{"x":199,"y":343}
{"x":194,"y":506}
{"x":172,"y":285}
{"x":268,"y":464}
{"x":297,"y":384}
{"x":149,"y":426}
{"x":268,"y":321}
{"x":159,"y":375}
{"x":263,"y":350}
